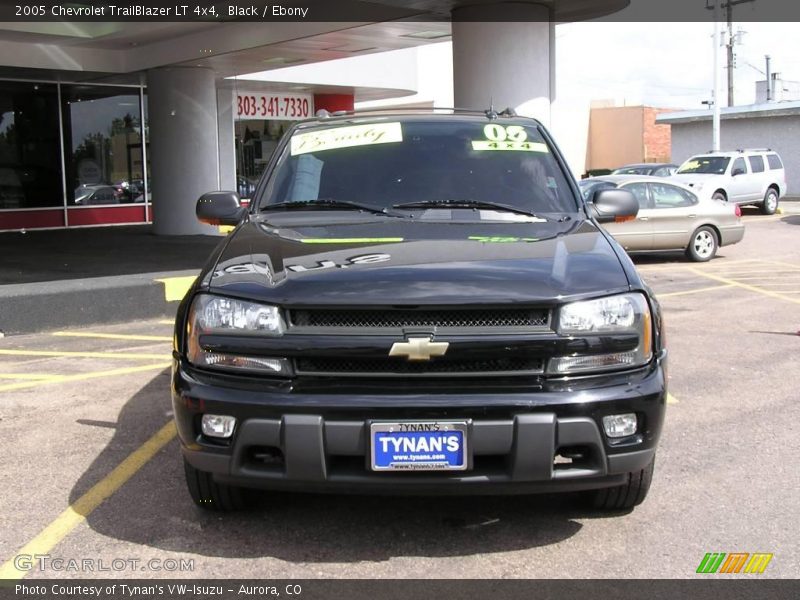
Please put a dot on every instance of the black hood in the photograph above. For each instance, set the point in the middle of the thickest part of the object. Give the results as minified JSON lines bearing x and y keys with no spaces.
{"x":384,"y":261}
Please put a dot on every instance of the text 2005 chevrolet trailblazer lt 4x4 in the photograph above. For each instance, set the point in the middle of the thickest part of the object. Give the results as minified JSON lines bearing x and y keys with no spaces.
{"x":418,"y":303}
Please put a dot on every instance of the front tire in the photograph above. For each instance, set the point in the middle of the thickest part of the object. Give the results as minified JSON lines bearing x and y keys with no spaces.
{"x":770,"y":203}
{"x":625,"y":497}
{"x":210,"y":495}
{"x":702,"y":245}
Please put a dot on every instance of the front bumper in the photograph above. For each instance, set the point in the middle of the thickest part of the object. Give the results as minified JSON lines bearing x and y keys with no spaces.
{"x":320,"y":442}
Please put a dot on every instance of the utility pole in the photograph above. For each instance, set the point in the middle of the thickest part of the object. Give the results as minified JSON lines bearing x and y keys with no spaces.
{"x":729,"y":11}
{"x":732,"y":38}
{"x":717,"y":42}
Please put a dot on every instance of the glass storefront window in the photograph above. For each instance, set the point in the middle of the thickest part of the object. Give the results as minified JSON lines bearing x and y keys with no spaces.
{"x":102,"y":145}
{"x":147,"y":145}
{"x":30,"y":154}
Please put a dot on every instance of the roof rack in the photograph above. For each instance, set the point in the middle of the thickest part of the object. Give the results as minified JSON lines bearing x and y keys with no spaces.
{"x":740,"y":150}
{"x":324,"y":114}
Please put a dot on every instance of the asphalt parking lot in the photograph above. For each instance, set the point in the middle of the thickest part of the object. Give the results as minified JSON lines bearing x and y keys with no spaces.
{"x":91,"y":466}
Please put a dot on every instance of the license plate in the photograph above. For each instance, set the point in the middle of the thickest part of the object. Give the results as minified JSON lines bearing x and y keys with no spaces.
{"x":419,"y":446}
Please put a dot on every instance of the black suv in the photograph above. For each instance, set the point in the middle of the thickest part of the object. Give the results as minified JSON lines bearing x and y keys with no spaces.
{"x":418,"y":303}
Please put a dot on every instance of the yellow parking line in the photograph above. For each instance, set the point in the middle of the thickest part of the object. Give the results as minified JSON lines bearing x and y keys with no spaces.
{"x":175,"y":288}
{"x":776,"y":283}
{"x":27,"y":376}
{"x":76,"y":354}
{"x":76,"y":513}
{"x":696,"y":291}
{"x":114,"y":336}
{"x":684,"y":266}
{"x":671,"y":399}
{"x":82,"y":376}
{"x":166,"y":322}
{"x":745,"y":286}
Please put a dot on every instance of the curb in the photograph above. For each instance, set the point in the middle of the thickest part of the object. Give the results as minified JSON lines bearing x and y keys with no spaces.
{"x":32,"y":307}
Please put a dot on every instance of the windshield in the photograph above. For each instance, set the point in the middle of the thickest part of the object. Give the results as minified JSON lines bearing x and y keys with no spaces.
{"x":715,"y":165}
{"x":633,"y":171}
{"x":590,"y":186}
{"x":82,"y":194}
{"x":389,"y":163}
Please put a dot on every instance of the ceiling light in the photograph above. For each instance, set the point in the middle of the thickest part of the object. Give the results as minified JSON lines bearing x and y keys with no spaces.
{"x":352,"y":48}
{"x":280,"y":60}
{"x":427,"y":35}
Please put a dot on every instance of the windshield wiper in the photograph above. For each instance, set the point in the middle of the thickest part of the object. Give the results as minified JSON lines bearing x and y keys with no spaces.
{"x":455,"y":203}
{"x":332,"y":203}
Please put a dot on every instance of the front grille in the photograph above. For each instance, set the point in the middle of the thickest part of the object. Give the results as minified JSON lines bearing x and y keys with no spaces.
{"x":396,"y":366}
{"x":370,"y":319}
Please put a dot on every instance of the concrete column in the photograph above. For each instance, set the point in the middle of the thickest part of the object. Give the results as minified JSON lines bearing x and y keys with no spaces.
{"x":226,"y":100}
{"x":503,"y":63}
{"x":182,"y":105}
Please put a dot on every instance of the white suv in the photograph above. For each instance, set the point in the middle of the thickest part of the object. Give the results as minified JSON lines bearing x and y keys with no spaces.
{"x":742,"y":176}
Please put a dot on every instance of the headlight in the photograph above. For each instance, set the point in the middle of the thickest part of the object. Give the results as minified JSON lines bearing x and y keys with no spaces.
{"x":216,"y":314}
{"x":625,"y":313}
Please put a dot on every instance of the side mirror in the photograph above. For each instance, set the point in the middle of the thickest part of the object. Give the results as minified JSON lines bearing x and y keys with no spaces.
{"x":220,"y":208}
{"x":614,"y":205}
{"x":737,"y":171}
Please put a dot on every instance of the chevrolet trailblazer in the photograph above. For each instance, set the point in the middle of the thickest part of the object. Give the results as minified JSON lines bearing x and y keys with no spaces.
{"x":418,"y":303}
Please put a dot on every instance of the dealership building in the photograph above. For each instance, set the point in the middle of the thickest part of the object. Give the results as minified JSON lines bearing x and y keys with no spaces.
{"x":105,"y":123}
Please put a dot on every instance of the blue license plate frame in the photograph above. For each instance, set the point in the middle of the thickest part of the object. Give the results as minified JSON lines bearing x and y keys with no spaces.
{"x":419,"y":446}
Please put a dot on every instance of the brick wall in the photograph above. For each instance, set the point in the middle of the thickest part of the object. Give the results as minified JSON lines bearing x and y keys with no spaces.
{"x":615,"y":137}
{"x":657,"y":138}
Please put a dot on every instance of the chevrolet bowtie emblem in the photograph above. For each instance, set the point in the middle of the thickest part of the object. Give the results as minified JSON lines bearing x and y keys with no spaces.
{"x":418,"y":348}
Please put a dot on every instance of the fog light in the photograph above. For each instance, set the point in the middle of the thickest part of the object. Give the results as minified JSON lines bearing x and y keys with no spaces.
{"x":618,"y":426}
{"x":218,"y":426}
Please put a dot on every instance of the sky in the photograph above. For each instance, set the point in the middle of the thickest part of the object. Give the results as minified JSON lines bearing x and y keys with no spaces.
{"x":667,"y":64}
{"x":659,"y":64}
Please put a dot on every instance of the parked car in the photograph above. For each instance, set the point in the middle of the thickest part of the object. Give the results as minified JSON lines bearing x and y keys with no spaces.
{"x":671,"y":217}
{"x":129,"y":190}
{"x":743,"y":176}
{"x":87,"y":195}
{"x":418,"y":303}
{"x":654,"y":169}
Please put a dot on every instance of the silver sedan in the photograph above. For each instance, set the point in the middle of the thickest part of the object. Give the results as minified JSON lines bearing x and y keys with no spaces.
{"x":671,"y":217}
